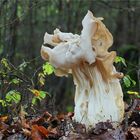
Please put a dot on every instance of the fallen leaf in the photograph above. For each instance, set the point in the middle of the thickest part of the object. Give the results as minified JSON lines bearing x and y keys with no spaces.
{"x":53,"y":131}
{"x":133,"y":133}
{"x":26,"y":132}
{"x":3,"y":118}
{"x":3,"y":126}
{"x":1,"y":135}
{"x":35,"y":135}
{"x":70,"y":114}
{"x":43,"y":131}
{"x":61,"y":117}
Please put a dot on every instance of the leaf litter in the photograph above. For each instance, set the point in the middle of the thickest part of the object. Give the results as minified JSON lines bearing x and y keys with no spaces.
{"x":62,"y":127}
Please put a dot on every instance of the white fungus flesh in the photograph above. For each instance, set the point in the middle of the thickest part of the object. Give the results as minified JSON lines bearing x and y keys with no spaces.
{"x":98,"y":94}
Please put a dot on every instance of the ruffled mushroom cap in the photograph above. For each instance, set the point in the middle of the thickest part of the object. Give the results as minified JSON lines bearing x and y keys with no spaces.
{"x":70,"y":49}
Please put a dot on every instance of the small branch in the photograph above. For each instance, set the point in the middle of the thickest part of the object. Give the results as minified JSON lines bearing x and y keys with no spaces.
{"x":21,"y":73}
{"x":36,"y":72}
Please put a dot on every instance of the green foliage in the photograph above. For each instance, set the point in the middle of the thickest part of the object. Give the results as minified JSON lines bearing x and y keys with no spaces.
{"x":34,"y":100}
{"x":13,"y":96}
{"x":128,"y":81}
{"x":133,"y":94}
{"x":138,"y":96}
{"x":48,"y":68}
{"x":41,"y":78}
{"x":3,"y":103}
{"x":69,"y":108}
{"x":15,"y":83}
{"x":19,"y":11}
{"x":23,"y":65}
{"x":42,"y":94}
{"x":4,"y":62}
{"x":119,"y":59}
{"x":39,"y":95}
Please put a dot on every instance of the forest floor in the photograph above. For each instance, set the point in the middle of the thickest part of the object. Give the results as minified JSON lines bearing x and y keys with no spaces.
{"x":62,"y":127}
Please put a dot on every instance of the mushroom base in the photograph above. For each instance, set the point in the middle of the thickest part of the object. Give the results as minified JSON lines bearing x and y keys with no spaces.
{"x":96,"y":100}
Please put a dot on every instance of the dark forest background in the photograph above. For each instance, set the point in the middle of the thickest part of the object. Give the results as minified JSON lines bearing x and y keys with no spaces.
{"x":23,"y":24}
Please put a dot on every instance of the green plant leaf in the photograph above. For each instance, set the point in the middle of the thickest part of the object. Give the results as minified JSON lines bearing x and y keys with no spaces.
{"x":13,"y":96}
{"x":39,"y":93}
{"x":119,"y":59}
{"x":132,"y":92}
{"x":42,"y":94}
{"x":138,"y":96}
{"x":48,"y":68}
{"x":69,"y":109}
{"x":4,"y":62}
{"x":15,"y":81}
{"x":133,"y":82}
{"x":128,"y":81}
{"x":41,"y":78}
{"x":3,"y":103}
{"x":35,"y":92}
{"x":23,"y":65}
{"x":34,"y":99}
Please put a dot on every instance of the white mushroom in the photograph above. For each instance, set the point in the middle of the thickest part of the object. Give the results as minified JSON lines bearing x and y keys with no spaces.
{"x":98,"y":95}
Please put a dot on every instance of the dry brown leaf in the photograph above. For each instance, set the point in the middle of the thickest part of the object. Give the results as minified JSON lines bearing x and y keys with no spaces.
{"x":133,"y":133}
{"x":43,"y":130}
{"x":3,"y":126}
{"x":35,"y":135}
{"x":70,"y":114}
{"x":54,"y":131}
{"x":61,"y":117}
{"x":3,"y":118}
{"x":26,"y":132}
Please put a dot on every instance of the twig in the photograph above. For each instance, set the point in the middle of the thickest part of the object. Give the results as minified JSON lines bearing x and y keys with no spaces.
{"x":21,"y":73}
{"x":35,"y":73}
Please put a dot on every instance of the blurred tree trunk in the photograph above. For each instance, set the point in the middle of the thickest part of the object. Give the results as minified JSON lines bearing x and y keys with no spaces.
{"x":76,"y":22}
{"x":119,"y":30}
{"x":3,"y":39}
{"x":31,"y":48}
{"x":130,"y":18}
{"x":12,"y":37}
{"x":10,"y":34}
{"x":68,"y":3}
{"x":3,"y":27}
